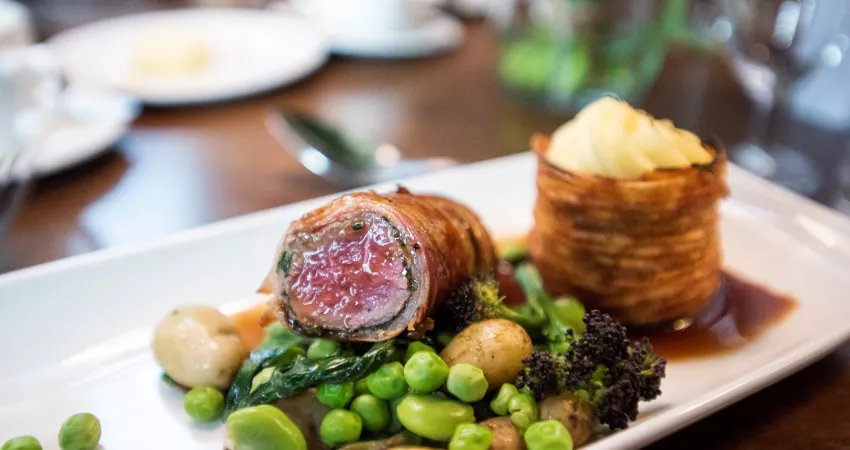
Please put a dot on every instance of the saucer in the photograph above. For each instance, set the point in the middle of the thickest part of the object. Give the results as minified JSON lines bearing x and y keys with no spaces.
{"x":434,"y":32}
{"x":439,"y":34}
{"x":86,"y":125}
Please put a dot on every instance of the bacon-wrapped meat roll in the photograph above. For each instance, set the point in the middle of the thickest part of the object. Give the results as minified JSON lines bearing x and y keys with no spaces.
{"x":369,"y":267}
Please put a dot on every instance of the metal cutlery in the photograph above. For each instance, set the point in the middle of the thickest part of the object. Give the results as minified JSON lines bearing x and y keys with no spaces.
{"x":331,"y":154}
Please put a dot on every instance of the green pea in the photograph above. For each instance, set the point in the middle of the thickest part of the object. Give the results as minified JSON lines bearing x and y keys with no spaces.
{"x":467,"y":383}
{"x":340,"y":427}
{"x":425,"y":372}
{"x":204,"y":403}
{"x":416,"y":347}
{"x":361,"y":387}
{"x":322,"y":348}
{"x":433,"y":418}
{"x":469,"y":436}
{"x":395,"y":425}
{"x":387,"y":382}
{"x":22,"y":443}
{"x":373,"y":411}
{"x":335,"y":395}
{"x":523,"y":410}
{"x":499,"y":404}
{"x":80,"y":432}
{"x":261,"y":377}
{"x":548,"y":435}
{"x":263,"y":427}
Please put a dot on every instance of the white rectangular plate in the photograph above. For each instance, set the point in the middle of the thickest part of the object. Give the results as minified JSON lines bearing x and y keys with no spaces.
{"x":75,"y":333}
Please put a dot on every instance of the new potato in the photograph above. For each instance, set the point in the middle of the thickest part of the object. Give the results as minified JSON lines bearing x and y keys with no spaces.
{"x":199,"y":346}
{"x":572,"y":412}
{"x":505,"y":434}
{"x":495,"y":346}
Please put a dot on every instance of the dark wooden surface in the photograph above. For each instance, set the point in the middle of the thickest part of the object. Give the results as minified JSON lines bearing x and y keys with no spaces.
{"x":184,"y":167}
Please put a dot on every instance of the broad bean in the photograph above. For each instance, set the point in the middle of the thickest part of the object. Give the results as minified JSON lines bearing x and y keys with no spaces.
{"x":432,"y":417}
{"x":263,"y":427}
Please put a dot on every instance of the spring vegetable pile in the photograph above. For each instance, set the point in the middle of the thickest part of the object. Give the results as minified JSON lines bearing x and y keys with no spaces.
{"x":542,"y":375}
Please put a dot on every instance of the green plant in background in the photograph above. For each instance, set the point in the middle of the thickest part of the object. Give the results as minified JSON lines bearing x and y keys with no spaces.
{"x":573,"y":51}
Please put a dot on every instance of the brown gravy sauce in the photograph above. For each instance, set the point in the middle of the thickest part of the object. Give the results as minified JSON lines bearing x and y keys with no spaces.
{"x":738,"y":314}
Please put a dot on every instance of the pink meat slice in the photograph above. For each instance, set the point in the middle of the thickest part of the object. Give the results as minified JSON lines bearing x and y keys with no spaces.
{"x":367,"y":267}
{"x":350,"y":275}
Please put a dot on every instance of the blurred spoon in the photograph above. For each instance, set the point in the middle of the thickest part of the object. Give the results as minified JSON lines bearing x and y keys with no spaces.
{"x":339,"y":159}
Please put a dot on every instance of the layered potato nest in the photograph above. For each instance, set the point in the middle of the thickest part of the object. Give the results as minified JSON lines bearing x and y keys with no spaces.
{"x":646,"y":251}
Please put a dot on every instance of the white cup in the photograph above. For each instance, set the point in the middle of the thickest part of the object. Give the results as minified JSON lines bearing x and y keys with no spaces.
{"x":370,"y":15}
{"x":30,"y":85}
{"x":16,"y":29}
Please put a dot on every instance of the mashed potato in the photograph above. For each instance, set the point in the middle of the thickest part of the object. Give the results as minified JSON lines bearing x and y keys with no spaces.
{"x":612,"y":139}
{"x":163,"y":53}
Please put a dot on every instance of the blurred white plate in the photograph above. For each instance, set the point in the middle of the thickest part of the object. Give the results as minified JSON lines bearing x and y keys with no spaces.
{"x":76,"y":332}
{"x":73,"y":143}
{"x":438,"y":34}
{"x":86,"y":125}
{"x":90,"y":122}
{"x":432,"y":32}
{"x":250,"y":52}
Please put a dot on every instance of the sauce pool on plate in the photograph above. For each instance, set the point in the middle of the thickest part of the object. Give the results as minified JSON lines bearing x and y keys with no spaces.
{"x":739,"y":313}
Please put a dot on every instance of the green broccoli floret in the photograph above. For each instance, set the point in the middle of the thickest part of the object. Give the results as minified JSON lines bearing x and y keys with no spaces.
{"x":479,"y":299}
{"x":602,"y":366}
{"x":561,"y":316}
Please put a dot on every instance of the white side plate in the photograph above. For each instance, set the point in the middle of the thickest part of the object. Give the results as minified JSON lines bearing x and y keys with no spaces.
{"x":75,"y":332}
{"x":250,"y":52}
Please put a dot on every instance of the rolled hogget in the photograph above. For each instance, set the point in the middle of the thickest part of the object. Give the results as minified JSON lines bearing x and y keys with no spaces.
{"x":626,"y":216}
{"x":369,"y":267}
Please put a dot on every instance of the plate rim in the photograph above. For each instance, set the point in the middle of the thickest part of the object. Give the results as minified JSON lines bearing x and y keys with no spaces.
{"x":650,"y":429}
{"x":724,"y":395}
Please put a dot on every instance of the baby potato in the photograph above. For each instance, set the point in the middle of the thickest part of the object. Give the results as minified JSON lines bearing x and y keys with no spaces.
{"x":198,"y":346}
{"x":572,"y":412}
{"x":496,"y":346}
{"x":505,"y":435}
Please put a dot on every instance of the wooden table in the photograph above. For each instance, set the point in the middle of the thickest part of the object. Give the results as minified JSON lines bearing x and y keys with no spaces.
{"x":180,"y":168}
